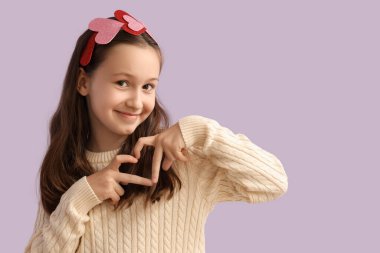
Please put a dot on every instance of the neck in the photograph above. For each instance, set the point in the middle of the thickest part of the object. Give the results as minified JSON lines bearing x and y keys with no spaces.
{"x":105,"y":144}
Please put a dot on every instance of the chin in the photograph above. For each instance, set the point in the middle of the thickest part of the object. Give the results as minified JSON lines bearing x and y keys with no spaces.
{"x":128,"y":131}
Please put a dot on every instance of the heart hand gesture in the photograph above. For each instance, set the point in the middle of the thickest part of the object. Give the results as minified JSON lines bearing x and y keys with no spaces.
{"x":170,"y":142}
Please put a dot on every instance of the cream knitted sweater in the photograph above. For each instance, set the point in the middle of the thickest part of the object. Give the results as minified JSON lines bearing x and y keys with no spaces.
{"x":223,"y":166}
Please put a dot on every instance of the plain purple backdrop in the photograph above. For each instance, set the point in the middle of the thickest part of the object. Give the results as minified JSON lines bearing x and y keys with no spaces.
{"x":299,"y":78}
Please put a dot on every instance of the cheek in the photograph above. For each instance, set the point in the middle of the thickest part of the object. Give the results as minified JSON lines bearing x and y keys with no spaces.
{"x":97,"y":102}
{"x":149,"y":104}
{"x":105,"y":98}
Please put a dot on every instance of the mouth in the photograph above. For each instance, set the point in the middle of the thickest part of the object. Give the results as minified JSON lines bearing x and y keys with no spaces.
{"x":128,"y":115}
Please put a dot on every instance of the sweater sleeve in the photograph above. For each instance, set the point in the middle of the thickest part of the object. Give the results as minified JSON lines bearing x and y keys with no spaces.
{"x":229,"y":167}
{"x":61,"y":231}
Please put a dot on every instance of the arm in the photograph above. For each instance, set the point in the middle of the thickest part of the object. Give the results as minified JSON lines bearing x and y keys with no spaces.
{"x":62,"y":230}
{"x":229,"y":166}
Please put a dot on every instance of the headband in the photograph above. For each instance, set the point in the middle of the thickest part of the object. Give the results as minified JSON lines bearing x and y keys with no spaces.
{"x":104,"y":30}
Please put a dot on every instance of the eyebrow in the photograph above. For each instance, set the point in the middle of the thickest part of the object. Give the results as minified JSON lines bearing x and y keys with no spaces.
{"x":129,"y":75}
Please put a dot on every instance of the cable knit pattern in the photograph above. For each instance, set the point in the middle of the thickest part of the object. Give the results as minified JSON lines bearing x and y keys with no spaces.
{"x":222,"y":166}
{"x":127,"y":230}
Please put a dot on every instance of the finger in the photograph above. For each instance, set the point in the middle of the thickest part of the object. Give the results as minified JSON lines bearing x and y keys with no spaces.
{"x":119,"y":159}
{"x":157,"y":157}
{"x":114,"y":198}
{"x":126,"y":178}
{"x":140,"y":144}
{"x":168,"y":160}
{"x":167,"y":163}
{"x":119,"y":190}
{"x":169,"y":155}
{"x":180,"y":156}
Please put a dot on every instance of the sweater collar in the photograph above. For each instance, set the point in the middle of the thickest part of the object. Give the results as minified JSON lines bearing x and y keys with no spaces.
{"x":101,"y":157}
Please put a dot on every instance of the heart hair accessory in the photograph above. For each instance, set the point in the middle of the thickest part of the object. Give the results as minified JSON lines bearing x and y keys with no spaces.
{"x":106,"y":29}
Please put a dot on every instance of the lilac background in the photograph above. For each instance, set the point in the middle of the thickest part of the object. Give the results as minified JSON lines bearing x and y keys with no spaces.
{"x":299,"y":78}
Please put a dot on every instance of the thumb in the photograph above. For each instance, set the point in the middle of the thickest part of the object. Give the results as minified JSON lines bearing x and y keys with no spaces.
{"x":119,"y":159}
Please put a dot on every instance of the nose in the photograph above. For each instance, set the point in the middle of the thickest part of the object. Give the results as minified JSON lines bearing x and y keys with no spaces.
{"x":134,"y":100}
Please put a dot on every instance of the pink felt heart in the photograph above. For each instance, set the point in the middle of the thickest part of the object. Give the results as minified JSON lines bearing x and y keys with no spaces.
{"x":133,"y":23}
{"x":106,"y":28}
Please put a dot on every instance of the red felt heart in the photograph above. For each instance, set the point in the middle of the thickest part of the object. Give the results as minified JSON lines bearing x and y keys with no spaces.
{"x":131,"y":24}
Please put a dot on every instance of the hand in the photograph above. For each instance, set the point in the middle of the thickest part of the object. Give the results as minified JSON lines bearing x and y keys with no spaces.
{"x":170,"y":142}
{"x":105,"y":183}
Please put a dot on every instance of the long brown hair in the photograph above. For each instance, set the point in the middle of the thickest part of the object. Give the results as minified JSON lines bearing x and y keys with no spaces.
{"x":65,"y":161}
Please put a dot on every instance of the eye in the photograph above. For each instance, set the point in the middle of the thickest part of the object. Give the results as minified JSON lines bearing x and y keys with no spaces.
{"x":122,"y":83}
{"x":148,"y":86}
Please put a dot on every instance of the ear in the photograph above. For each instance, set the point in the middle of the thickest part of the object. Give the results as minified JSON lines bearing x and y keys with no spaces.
{"x":83,"y":83}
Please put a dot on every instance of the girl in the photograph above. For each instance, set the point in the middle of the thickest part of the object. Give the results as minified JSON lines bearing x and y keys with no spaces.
{"x":116,"y":177}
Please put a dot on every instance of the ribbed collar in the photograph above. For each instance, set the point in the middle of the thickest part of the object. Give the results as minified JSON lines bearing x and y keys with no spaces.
{"x":101,"y":157}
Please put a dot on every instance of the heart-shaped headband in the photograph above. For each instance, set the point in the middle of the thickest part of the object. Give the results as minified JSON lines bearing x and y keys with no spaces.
{"x":106,"y":29}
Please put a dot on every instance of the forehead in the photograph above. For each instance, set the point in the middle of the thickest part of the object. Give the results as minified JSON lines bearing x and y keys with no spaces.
{"x":136,"y":60}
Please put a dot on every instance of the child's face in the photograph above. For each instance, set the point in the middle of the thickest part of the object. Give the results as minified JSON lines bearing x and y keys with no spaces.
{"x":119,"y":102}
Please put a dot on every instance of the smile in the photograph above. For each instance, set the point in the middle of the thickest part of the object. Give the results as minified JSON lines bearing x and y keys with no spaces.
{"x":127,"y":115}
